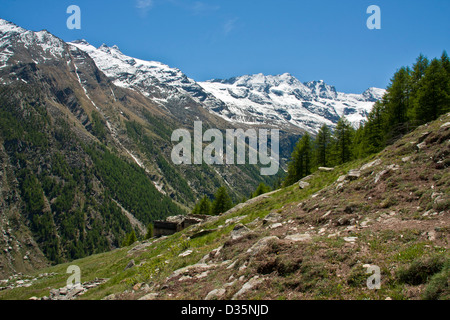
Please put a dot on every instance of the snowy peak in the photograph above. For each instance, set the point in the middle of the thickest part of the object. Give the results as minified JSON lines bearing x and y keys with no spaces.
{"x":322,"y":90}
{"x":9,"y":27}
{"x":283,"y":100}
{"x":259,"y":88}
{"x":131,"y":72}
{"x":114,"y":50}
{"x":14,"y":38}
{"x":260,"y":81}
{"x":373,"y":94}
{"x":284,"y":83}
{"x":166,"y":86}
{"x":81,"y":42}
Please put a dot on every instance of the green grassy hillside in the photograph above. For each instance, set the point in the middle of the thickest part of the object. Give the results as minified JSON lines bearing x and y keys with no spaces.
{"x":390,"y":210}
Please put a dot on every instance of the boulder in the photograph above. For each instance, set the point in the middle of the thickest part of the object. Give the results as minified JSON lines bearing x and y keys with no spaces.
{"x":150,"y":296}
{"x":195,"y":268}
{"x":261,"y":244}
{"x":392,"y":167}
{"x":303,"y":184}
{"x":130,"y":265}
{"x":75,"y":291}
{"x":239,"y":231}
{"x":275,"y":225}
{"x":406,"y":159}
{"x":185,"y":253}
{"x":234,"y":220}
{"x":253,"y":282}
{"x":272,"y":217}
{"x":343,"y":222}
{"x":298,"y":237}
{"x":379,"y":175}
{"x":421,"y":146}
{"x":215,"y":294}
{"x":350,"y":239}
{"x":353,"y":174}
{"x":370,"y":164}
{"x":63,"y":291}
{"x":202,"y":233}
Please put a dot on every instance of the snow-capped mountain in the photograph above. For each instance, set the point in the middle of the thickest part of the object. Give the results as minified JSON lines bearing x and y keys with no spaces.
{"x":153,"y":79}
{"x":284,"y":99}
{"x":280,"y":100}
{"x":39,"y":46}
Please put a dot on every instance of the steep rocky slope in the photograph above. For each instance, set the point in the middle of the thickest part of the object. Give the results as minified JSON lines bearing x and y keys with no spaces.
{"x":312,"y":240}
{"x":80,"y":154}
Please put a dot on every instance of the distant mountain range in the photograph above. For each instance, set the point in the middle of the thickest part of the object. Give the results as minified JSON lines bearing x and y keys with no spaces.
{"x":284,"y":100}
{"x":280,"y":100}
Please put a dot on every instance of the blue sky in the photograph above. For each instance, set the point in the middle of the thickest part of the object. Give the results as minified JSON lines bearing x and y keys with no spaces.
{"x":313,"y":40}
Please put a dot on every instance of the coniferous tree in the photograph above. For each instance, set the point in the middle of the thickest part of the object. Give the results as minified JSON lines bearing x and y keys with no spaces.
{"x":433,"y":97}
{"x":277,"y":184}
{"x":301,"y":164}
{"x":222,"y":202}
{"x":374,"y":131}
{"x":129,"y":239}
{"x":423,"y":91}
{"x":150,"y":231}
{"x":358,"y":143}
{"x":418,"y":72}
{"x":261,"y":189}
{"x":322,"y":146}
{"x":204,"y":207}
{"x":419,"y":68}
{"x":445,"y":62}
{"x":343,"y":140}
{"x":398,"y":101}
{"x":196,"y":209}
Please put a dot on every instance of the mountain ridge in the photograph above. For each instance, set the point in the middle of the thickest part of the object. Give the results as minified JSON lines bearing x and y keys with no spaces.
{"x":283,"y":99}
{"x":321,"y":101}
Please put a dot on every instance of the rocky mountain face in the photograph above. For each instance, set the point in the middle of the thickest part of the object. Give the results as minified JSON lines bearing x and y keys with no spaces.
{"x":167,"y":87}
{"x":83,"y":160}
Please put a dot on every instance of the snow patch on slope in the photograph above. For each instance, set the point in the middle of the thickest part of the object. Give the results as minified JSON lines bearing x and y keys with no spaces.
{"x":132,"y":73}
{"x":11,"y":34}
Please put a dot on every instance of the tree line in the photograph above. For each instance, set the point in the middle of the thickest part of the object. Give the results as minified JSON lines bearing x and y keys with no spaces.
{"x":416,"y":95}
{"x":222,"y":202}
